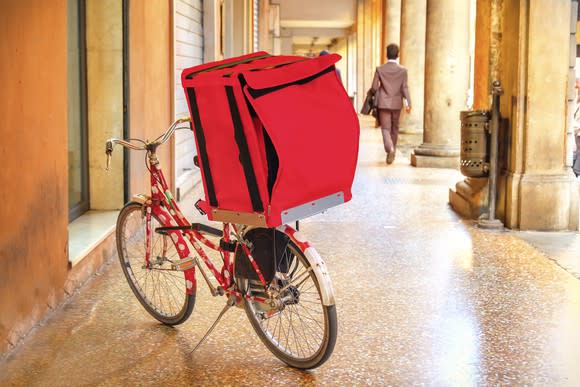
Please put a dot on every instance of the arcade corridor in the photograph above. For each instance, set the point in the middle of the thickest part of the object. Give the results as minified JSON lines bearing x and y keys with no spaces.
{"x":423,"y":297}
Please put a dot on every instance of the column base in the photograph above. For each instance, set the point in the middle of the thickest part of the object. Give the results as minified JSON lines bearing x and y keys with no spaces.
{"x":420,"y":161}
{"x":487,"y":224}
{"x":470,"y":198}
{"x":435,"y":156}
{"x":542,"y":202}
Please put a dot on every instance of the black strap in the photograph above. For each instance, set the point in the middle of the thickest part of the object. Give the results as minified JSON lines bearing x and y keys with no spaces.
{"x":244,"y":152}
{"x":256,"y":93}
{"x":228,"y":246}
{"x":202,"y":147}
{"x":227,"y":65}
{"x":202,"y":228}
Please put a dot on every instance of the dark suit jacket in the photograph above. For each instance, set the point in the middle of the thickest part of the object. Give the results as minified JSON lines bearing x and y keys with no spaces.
{"x":390,"y":85}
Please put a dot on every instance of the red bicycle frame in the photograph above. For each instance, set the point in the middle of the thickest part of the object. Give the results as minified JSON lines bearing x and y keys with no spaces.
{"x":164,"y":207}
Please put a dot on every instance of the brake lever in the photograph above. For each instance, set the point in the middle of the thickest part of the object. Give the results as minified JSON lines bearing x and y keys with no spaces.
{"x":108,"y":152}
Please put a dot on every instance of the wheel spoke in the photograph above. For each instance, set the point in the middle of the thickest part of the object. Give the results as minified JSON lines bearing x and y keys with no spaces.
{"x":298,"y":331}
{"x":161,"y":290}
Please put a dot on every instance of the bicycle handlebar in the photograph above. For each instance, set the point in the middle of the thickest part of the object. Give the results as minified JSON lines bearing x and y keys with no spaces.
{"x":146,"y":144}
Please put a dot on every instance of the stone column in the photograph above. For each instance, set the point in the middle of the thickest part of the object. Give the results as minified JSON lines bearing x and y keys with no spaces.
{"x":446,"y":83}
{"x":541,"y":192}
{"x":367,"y":57}
{"x":392,"y":29}
{"x":412,"y":56}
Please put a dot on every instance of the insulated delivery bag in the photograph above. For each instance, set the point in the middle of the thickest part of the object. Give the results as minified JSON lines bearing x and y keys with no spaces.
{"x":276,"y":136}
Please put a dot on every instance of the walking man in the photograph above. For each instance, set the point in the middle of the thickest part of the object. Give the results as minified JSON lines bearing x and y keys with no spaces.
{"x":390,"y":87}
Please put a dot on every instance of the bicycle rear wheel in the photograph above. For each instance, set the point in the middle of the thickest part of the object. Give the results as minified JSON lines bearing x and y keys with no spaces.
{"x":161,"y":290}
{"x":293,"y":324}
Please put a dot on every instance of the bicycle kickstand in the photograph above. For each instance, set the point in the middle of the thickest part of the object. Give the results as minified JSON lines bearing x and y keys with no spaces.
{"x":231,"y":302}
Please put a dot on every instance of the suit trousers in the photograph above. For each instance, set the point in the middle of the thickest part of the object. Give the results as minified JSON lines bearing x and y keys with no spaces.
{"x":389,"y":120}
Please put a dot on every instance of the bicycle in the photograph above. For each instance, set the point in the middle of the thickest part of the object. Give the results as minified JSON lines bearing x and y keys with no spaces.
{"x":288,"y":299}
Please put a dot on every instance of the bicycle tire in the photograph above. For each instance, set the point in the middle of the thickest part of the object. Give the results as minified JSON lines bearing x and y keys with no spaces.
{"x":315,"y":322}
{"x":160,"y":291}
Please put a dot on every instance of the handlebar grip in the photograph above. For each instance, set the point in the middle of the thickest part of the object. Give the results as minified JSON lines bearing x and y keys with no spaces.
{"x":182,"y":120}
{"x":109,"y":147}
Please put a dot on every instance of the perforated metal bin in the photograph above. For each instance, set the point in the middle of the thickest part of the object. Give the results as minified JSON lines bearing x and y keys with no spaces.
{"x":474,"y":152}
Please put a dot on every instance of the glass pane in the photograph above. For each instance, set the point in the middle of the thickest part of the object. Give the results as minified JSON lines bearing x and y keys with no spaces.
{"x":76,"y":158}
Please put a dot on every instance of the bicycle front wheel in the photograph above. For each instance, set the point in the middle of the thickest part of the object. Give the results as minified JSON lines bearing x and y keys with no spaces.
{"x":295,"y":325}
{"x":160,"y":289}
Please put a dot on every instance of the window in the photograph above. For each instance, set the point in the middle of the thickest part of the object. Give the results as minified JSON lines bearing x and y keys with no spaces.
{"x":78,"y":187}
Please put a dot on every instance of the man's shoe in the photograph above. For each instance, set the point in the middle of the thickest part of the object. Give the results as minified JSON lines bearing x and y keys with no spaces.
{"x":390,"y":157}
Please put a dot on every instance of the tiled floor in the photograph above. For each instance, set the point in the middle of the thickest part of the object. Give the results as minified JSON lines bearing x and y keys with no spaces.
{"x":423,"y":298}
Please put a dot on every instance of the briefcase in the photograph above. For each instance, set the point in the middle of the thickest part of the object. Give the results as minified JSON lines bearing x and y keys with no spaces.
{"x":368,"y":107}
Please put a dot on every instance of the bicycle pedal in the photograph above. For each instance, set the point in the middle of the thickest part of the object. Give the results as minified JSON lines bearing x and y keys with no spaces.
{"x":184,"y":264}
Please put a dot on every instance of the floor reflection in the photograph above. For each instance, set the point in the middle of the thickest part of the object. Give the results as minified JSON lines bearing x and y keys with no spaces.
{"x":423,"y":298}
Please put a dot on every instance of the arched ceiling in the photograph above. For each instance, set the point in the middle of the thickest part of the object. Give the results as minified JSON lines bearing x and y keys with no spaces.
{"x":315,"y":25}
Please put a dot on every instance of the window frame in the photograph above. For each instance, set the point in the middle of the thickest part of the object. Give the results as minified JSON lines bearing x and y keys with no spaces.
{"x":83,"y":205}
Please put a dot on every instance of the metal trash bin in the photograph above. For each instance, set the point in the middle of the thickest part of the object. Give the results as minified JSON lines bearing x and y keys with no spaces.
{"x":474,"y":152}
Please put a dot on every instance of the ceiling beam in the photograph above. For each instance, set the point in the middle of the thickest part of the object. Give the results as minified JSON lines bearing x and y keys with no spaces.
{"x":326,"y":32}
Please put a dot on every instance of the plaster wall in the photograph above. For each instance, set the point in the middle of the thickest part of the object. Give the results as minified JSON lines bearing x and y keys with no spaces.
{"x":34,"y":195}
{"x":150,"y":79}
{"x":481,"y":80}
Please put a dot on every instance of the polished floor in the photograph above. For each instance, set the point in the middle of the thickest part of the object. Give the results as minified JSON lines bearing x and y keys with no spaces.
{"x":423,"y":298}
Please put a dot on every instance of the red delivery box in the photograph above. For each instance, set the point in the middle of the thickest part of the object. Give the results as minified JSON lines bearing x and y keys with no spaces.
{"x":277,"y":137}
